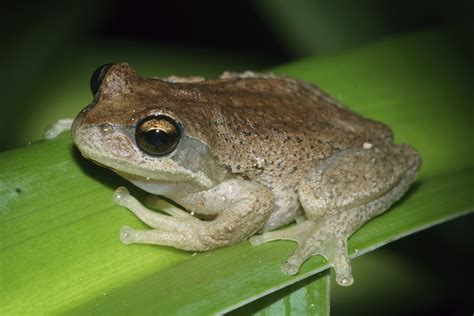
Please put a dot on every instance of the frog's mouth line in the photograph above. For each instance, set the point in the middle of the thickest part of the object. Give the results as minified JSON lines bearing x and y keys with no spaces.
{"x":102,"y":165}
{"x":135,"y":178}
{"x":131,"y":176}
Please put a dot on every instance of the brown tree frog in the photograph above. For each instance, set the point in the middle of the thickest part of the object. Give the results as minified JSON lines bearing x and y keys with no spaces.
{"x":251,"y":153}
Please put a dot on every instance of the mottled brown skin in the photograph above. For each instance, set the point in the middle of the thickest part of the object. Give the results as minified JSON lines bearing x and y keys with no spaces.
{"x":256,"y":150}
{"x":291,"y":124}
{"x":290,"y":119}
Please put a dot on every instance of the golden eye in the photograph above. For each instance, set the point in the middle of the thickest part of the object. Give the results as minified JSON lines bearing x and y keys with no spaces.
{"x":158,"y":135}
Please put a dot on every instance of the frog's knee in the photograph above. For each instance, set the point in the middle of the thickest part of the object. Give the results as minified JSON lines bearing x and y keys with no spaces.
{"x":316,"y":190}
{"x":354,"y":177}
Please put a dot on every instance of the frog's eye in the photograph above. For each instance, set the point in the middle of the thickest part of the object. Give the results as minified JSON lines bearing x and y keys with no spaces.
{"x":97,"y":77}
{"x":158,"y":135}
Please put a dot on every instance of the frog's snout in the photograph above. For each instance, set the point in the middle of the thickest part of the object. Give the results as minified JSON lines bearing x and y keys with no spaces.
{"x":75,"y":126}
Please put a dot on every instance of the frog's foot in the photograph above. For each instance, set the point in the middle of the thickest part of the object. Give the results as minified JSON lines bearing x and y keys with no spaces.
{"x":312,"y":240}
{"x":342,"y":193}
{"x":297,"y":232}
{"x":325,"y":242}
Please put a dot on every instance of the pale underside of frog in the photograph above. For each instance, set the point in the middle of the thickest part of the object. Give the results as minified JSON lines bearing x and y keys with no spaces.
{"x":244,"y":154}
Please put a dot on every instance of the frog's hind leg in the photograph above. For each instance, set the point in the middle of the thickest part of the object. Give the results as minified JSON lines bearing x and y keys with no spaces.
{"x":314,"y":238}
{"x":328,"y":238}
{"x":343,"y":193}
{"x":338,"y":197}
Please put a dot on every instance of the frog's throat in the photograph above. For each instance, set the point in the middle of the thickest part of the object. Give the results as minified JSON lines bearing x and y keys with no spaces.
{"x":169,"y":188}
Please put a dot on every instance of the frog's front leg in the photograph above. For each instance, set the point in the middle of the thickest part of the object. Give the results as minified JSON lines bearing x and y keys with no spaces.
{"x":241,"y":208}
{"x":339,"y":195}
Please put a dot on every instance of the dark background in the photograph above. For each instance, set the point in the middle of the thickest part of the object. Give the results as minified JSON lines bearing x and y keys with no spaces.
{"x":51,"y":47}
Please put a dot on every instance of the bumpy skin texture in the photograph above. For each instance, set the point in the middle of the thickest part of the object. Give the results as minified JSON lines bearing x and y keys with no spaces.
{"x":269,"y":129}
{"x":255,"y":149}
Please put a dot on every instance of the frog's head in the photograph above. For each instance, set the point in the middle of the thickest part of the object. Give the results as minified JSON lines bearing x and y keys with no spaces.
{"x":130,"y":128}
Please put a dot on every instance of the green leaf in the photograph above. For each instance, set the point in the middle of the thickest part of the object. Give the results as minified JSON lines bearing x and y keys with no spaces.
{"x":306,"y":297}
{"x":59,"y":244}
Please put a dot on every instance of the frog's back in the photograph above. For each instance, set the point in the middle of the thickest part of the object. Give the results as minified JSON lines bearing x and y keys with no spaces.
{"x":271,"y":127}
{"x":263,"y":127}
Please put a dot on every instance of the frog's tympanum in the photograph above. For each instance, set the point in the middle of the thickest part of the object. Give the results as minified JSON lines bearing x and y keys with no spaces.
{"x":244,"y":154}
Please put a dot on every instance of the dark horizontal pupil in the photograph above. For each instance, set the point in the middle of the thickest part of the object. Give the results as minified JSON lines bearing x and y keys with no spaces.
{"x":160,"y":139}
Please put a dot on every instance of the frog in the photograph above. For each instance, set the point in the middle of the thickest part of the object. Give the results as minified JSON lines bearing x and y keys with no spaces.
{"x":248,"y":156}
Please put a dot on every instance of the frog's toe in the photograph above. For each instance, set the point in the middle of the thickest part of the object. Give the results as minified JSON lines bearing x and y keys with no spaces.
{"x":338,"y":257}
{"x":332,"y":248}
{"x":297,"y":233}
{"x":292,"y":265}
{"x":344,"y":280}
{"x":121,"y":196}
{"x":127,"y":235}
{"x":257,"y":240}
